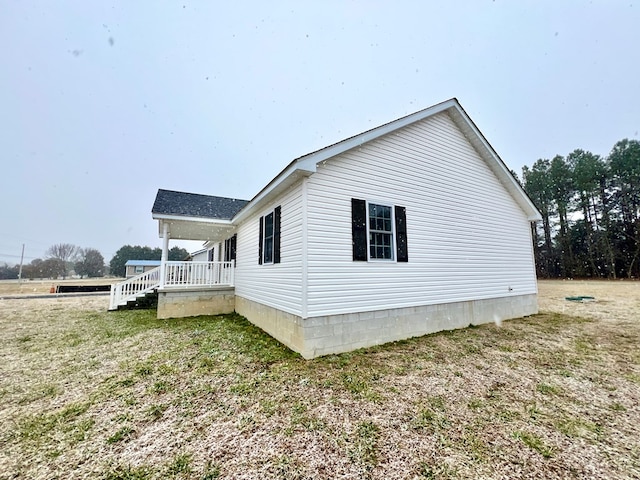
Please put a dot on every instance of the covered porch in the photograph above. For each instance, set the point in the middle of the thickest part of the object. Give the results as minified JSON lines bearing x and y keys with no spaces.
{"x":187,"y":288}
{"x":174,"y":277}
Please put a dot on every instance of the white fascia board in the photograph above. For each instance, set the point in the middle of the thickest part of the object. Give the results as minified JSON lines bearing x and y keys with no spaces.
{"x":181,"y":218}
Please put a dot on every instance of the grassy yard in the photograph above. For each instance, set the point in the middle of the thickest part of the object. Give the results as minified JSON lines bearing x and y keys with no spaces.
{"x":85,"y":393}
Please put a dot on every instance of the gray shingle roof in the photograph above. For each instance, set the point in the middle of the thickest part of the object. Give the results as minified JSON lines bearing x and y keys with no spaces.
{"x":169,"y":202}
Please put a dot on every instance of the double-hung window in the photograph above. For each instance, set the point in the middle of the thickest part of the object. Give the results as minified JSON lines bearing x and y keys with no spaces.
{"x":269,"y":240}
{"x":379,"y":232}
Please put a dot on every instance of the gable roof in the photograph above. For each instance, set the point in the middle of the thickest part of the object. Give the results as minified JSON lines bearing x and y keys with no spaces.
{"x":183,"y":204}
{"x":306,"y":164}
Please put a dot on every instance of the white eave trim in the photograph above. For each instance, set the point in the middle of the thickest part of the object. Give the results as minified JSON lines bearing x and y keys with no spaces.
{"x":185,"y":218}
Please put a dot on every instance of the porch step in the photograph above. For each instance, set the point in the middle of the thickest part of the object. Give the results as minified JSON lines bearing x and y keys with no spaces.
{"x":146,"y":301}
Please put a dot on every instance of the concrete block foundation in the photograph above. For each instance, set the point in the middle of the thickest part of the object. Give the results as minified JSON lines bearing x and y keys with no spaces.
{"x":324,"y":335}
{"x":191,"y":302}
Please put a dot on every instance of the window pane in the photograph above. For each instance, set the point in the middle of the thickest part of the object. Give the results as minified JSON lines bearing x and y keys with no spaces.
{"x":268,"y":225}
{"x":268,"y":250}
{"x":268,"y":239}
{"x":380,"y":245}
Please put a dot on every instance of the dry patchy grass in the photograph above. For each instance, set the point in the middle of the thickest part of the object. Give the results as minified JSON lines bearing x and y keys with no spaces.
{"x":91,"y":394}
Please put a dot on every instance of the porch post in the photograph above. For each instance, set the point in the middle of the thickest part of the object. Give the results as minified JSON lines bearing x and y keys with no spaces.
{"x":165,"y":253}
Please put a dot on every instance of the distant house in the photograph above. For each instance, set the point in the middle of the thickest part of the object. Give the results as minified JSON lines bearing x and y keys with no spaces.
{"x":409,"y":228}
{"x":136,"y":267}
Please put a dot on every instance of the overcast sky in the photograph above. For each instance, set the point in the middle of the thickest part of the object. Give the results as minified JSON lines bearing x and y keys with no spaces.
{"x":102,"y":103}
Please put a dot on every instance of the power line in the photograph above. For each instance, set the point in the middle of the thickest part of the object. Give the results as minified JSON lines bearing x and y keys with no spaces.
{"x":16,"y":256}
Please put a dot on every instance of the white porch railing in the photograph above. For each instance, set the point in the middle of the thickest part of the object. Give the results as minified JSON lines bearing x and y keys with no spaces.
{"x":198,"y":274}
{"x":172,"y":275}
{"x":134,"y":287}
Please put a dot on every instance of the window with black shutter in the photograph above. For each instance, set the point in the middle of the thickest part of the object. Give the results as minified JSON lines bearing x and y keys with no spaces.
{"x":269,"y":241}
{"x":379,"y":232}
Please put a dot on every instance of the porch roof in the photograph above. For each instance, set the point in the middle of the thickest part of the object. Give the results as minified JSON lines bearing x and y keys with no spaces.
{"x":191,"y":216}
{"x":183,"y":204}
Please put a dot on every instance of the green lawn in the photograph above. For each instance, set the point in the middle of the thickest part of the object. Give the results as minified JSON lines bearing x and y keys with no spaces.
{"x":121,"y":395}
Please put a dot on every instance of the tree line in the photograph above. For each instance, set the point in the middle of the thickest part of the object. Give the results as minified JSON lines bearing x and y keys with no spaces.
{"x":60,"y":260}
{"x":590,"y":210}
{"x":64,"y":258}
{"x":136,"y":252}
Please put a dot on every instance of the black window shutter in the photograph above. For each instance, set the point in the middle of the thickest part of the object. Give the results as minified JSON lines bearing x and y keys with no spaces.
{"x":260,"y":240}
{"x":402,"y":253}
{"x":359,"y":229}
{"x":276,"y":235}
{"x":234,"y":242}
{"x":210,"y":255}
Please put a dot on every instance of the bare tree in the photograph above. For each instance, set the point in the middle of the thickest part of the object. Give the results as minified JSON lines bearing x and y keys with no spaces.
{"x":67,"y":253}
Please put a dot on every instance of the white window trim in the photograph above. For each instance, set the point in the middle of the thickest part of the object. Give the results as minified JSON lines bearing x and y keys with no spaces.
{"x":393,"y":258}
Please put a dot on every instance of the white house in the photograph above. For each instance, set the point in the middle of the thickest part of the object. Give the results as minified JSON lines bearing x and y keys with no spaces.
{"x":409,"y":228}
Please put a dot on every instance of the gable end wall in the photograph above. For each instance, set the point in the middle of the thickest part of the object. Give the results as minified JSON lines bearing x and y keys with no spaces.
{"x":467,"y":237}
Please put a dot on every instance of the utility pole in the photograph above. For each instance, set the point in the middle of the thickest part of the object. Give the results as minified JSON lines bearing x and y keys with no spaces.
{"x":21,"y":259}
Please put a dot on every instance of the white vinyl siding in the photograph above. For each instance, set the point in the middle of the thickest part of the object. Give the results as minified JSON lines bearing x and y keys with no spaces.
{"x":467,"y":238}
{"x":277,"y":285}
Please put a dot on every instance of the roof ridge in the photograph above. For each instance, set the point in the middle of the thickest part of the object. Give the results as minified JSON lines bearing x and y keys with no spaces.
{"x":200,"y":194}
